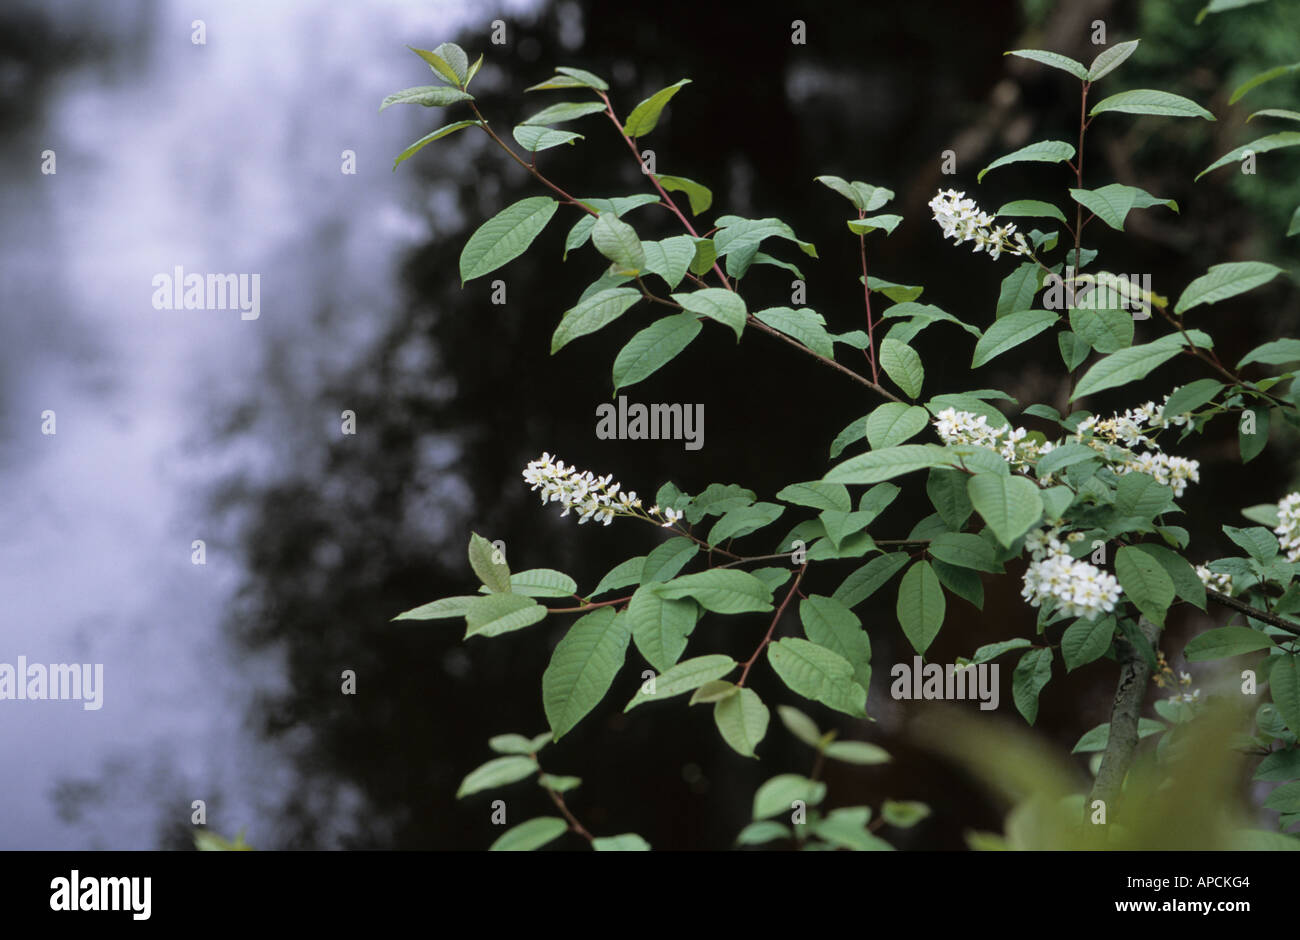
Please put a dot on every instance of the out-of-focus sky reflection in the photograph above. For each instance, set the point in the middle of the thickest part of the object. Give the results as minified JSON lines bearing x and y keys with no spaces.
{"x":222,"y":157}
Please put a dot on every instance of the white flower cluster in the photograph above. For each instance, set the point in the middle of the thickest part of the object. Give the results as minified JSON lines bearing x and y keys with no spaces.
{"x":1128,"y":430}
{"x":961,"y":220}
{"x":1081,"y":589}
{"x":1214,"y":580}
{"x":1288,"y":529}
{"x":593,"y":497}
{"x":1012,"y":444}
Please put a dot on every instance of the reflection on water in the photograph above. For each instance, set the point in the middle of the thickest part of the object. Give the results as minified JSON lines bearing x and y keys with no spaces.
{"x":222,"y":157}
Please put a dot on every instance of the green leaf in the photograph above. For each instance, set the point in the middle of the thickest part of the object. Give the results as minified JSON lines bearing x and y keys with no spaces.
{"x":559,"y":784}
{"x":473,"y":70}
{"x":590,"y":315}
{"x":530,"y":835}
{"x":919,"y":316}
{"x":441,"y":66}
{"x":828,"y":623}
{"x":1225,"y":280}
{"x":1219,"y":6}
{"x":1277,"y":352}
{"x":1032,"y":673}
{"x":1145,"y":583}
{"x":714,"y":690}
{"x":991,"y":651}
{"x":899,"y":293}
{"x":652,"y":347}
{"x":543,"y":582}
{"x":1263,"y":77}
{"x":505,"y":236}
{"x":564,"y":111}
{"x":1128,"y":365}
{"x":817,"y":673}
{"x":886,"y":223}
{"x":742,"y":720}
{"x":621,"y":575}
{"x":1187,"y":584}
{"x":618,"y":242}
{"x":699,"y":196}
{"x":645,"y":116}
{"x":431,"y":96}
{"x":716,"y":303}
{"x":496,"y":773}
{"x":760,"y":832}
{"x":868,"y":579}
{"x":489,"y":565}
{"x":1140,"y":494}
{"x":441,"y":609}
{"x":1150,"y":101}
{"x":777,"y":795}
{"x":885,"y":464}
{"x":947,"y":492}
{"x":512,"y":744}
{"x":1097,"y":738}
{"x":1011,"y":505}
{"x":1282,"y":113}
{"x":1054,"y":59}
{"x":807,"y":326}
{"x":723,"y":591}
{"x":1066,"y":455}
{"x":817,"y":494}
{"x":1223,"y":642}
{"x":454,"y":57}
{"x":920,"y":606}
{"x":1284,"y":681}
{"x":583,"y":77}
{"x":902,"y":364}
{"x":1257,"y":542}
{"x":903,"y":813}
{"x":582,"y":667}
{"x":1285,"y":799}
{"x":668,"y":559}
{"x":1112,"y":203}
{"x":502,"y":613}
{"x":893,"y":423}
{"x":686,"y":676}
{"x":660,"y":626}
{"x":1110,"y":59}
{"x":1044,"y":151}
{"x":1074,"y":349}
{"x":535,"y":137}
{"x":801,"y":726}
{"x":857,"y":752}
{"x":1009,"y":332}
{"x":430,"y":138}
{"x":964,"y":550}
{"x":627,"y":842}
{"x":1262,"y":145}
{"x":1189,"y":397}
{"x":670,"y":258}
{"x":1018,"y":289}
{"x":1033,"y":209}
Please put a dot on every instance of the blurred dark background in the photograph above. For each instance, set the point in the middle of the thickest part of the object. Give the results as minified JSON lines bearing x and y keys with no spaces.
{"x":177,"y":425}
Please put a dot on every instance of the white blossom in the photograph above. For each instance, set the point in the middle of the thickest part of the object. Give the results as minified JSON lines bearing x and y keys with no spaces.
{"x":962,"y":221}
{"x":1081,"y":589}
{"x":1288,"y":529}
